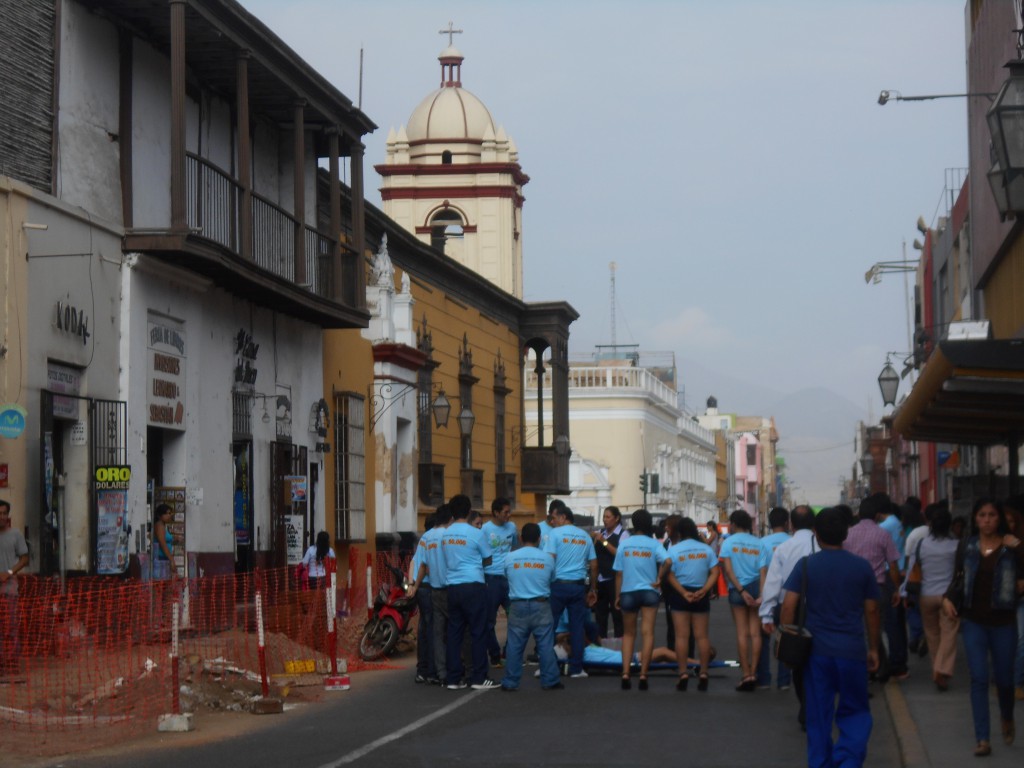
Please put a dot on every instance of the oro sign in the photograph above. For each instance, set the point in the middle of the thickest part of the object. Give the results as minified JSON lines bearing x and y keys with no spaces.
{"x":112,"y":477}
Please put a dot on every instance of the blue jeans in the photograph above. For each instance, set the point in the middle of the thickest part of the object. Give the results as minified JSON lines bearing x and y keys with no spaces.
{"x":981,"y":641}
{"x":1018,"y":666}
{"x":425,"y":666}
{"x":467,"y":610}
{"x":784,"y":676}
{"x":571,"y":597}
{"x":915,"y":627}
{"x":894,"y":622}
{"x":526,"y":618}
{"x":824,"y":678}
{"x":497,"y":596}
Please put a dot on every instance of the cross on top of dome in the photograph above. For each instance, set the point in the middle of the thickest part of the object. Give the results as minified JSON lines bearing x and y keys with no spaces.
{"x":451,"y":60}
{"x":450,"y":31}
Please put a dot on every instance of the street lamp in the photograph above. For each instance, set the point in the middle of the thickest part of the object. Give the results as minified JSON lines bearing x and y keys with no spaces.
{"x":466,"y":421}
{"x":1006,"y":123}
{"x":889,"y":383}
{"x":441,"y":409}
{"x":893,"y":95}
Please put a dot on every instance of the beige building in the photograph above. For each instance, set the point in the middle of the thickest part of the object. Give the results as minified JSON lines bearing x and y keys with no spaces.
{"x":625,"y":423}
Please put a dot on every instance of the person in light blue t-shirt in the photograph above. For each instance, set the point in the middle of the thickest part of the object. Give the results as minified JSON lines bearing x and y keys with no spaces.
{"x":741,"y":556}
{"x":638,"y":574}
{"x":502,"y":538}
{"x":530,"y":572}
{"x":692,"y":576}
{"x":575,"y":559}
{"x":778,"y":521}
{"x":466,"y":554}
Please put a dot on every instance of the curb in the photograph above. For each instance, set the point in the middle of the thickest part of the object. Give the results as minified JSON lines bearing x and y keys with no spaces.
{"x":908,"y":737}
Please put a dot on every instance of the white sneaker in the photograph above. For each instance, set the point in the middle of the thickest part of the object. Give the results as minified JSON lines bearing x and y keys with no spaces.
{"x":456,"y":686}
{"x":486,"y":685}
{"x":579,"y":674}
{"x":537,"y":673}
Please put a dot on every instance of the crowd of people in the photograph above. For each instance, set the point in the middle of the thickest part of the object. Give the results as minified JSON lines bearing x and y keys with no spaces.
{"x":917,"y":577}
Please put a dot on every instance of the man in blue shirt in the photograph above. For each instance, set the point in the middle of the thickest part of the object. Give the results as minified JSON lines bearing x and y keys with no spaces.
{"x":894,"y":620}
{"x":575,"y":559}
{"x":433,"y":571}
{"x":501,"y":536}
{"x":841,"y":594}
{"x":466,"y":554}
{"x":529,"y":572}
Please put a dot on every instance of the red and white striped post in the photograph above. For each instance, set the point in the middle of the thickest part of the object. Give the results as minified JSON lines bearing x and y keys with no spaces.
{"x":261,"y":645}
{"x":369,"y":586}
{"x":333,"y":681}
{"x":175,"y":680}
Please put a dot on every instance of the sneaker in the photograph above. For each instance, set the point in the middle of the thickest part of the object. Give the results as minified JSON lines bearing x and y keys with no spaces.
{"x":555,"y":687}
{"x":899,"y":675}
{"x":420,"y":679}
{"x":581,"y":673}
{"x":764,"y":686}
{"x":784,"y":687}
{"x":486,"y":685}
{"x":456,"y":686}
{"x":533,"y":659}
{"x":434,"y":681}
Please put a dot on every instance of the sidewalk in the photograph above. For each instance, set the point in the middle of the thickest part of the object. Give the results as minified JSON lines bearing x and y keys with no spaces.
{"x":935,"y":729}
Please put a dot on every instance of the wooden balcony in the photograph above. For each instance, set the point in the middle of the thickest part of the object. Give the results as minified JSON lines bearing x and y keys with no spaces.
{"x":544,"y":471}
{"x":270,"y":274}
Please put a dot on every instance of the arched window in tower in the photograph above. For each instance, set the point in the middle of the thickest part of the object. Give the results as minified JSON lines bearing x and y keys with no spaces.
{"x":446,"y":232}
{"x":446,"y":157}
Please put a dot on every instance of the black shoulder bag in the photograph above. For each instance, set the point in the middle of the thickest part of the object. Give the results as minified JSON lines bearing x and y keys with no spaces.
{"x":794,"y":641}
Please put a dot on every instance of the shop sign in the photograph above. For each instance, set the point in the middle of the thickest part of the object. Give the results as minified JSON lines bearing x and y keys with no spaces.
{"x":64,"y":380}
{"x":111,"y":486}
{"x":72,"y":321}
{"x":12,"y":420}
{"x":295,"y":535}
{"x":165,"y":368}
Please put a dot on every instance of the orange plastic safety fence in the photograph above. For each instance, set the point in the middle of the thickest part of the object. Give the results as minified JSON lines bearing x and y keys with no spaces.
{"x":98,"y":653}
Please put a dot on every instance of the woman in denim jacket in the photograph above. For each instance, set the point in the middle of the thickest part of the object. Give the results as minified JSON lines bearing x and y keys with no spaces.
{"x":992,"y":564}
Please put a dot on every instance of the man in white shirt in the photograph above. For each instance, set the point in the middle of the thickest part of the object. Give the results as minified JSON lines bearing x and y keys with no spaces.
{"x":788,"y":554}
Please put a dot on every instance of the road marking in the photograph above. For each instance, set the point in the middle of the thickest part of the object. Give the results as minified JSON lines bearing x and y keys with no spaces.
{"x":351,"y":757}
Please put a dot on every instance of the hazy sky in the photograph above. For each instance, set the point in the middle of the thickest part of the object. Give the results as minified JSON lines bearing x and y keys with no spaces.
{"x":730,"y":156}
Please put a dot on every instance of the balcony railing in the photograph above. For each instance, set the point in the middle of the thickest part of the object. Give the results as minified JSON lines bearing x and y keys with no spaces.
{"x":214,"y":213}
{"x":600,"y":377}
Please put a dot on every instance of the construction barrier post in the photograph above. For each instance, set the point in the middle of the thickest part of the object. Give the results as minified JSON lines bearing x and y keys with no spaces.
{"x":369,"y":586}
{"x":175,"y":681}
{"x":261,"y":644}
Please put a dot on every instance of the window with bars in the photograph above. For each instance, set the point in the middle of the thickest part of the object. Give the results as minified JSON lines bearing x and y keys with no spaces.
{"x":350,"y":466}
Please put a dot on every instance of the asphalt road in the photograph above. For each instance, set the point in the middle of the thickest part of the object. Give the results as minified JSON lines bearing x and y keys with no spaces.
{"x":386,"y":720}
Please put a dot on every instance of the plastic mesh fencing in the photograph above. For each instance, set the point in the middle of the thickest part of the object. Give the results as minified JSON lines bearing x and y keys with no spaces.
{"x":104,"y":651}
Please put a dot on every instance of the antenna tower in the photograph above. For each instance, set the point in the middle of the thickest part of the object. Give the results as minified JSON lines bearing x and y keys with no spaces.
{"x":611,"y":266}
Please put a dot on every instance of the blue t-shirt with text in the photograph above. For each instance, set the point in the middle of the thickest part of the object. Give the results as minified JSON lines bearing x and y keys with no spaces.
{"x":692,"y":562}
{"x":529,"y":572}
{"x":465,"y":550}
{"x":573,"y":550}
{"x":743,"y":550}
{"x":502,"y":539}
{"x":638,"y":559}
{"x":433,"y":556}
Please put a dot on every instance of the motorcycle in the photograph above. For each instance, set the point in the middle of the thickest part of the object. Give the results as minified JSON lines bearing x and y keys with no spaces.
{"x":391,"y":618}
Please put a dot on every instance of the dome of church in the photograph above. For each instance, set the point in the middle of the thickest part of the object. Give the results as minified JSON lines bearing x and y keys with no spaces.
{"x":450,"y":112}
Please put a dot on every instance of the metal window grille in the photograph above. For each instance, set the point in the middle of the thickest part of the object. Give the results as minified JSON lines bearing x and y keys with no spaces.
{"x":350,"y":466}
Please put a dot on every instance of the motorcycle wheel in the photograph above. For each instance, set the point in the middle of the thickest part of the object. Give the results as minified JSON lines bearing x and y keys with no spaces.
{"x":379,"y":639}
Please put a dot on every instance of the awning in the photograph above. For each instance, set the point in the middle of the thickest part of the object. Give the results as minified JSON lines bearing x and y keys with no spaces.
{"x":969,"y":392}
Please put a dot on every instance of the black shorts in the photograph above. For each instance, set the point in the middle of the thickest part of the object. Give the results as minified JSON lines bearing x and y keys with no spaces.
{"x":678,"y":603}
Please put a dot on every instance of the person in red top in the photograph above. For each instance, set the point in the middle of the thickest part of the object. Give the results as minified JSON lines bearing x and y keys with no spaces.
{"x":875,"y":545}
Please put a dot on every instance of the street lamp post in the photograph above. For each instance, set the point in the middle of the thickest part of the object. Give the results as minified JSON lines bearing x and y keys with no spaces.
{"x":888,"y":383}
{"x":1006,"y":123}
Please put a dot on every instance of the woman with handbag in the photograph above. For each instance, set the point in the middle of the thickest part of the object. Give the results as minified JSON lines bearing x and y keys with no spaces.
{"x":988,"y":581}
{"x":933,"y":561}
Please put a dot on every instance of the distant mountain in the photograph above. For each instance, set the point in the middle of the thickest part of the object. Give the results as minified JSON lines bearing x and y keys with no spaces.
{"x":816,"y":426}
